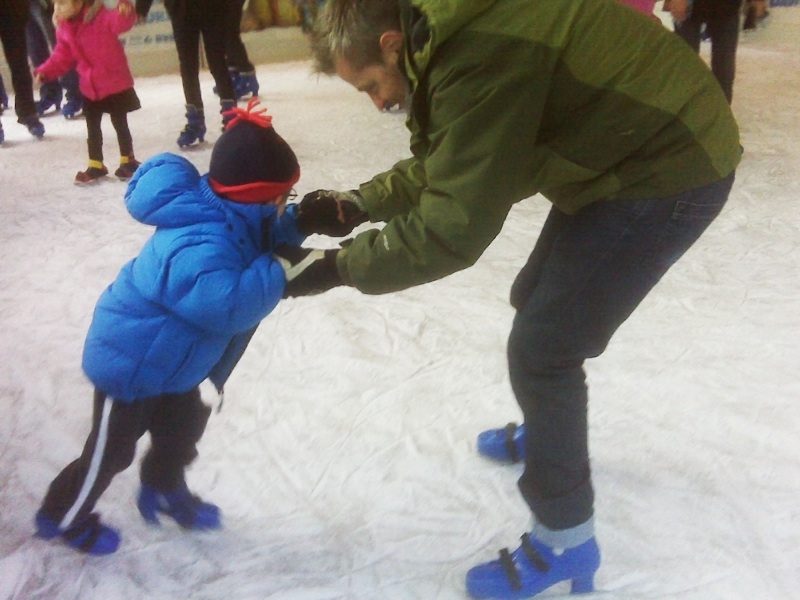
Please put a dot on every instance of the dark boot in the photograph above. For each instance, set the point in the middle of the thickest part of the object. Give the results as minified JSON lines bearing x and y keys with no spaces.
{"x":195,"y":129}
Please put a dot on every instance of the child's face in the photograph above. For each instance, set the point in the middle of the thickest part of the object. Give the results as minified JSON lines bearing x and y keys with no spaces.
{"x":66,"y":9}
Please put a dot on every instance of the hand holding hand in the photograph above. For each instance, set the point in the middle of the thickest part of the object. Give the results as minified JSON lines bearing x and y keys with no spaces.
{"x":308,"y":271}
{"x":330,"y":213}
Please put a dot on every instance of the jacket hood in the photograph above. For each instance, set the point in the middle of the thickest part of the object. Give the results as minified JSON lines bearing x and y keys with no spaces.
{"x":429,"y":23}
{"x":164,"y":193}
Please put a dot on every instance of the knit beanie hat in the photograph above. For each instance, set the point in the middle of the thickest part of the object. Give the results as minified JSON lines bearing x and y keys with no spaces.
{"x":250,"y":162}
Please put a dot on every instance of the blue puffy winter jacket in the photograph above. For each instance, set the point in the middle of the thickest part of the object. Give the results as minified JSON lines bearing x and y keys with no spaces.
{"x":201,"y":281}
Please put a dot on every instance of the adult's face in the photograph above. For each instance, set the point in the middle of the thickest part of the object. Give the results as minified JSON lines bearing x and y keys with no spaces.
{"x":384,"y":83}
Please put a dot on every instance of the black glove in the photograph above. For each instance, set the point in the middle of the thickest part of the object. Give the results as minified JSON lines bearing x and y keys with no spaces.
{"x":308,"y":271}
{"x":330,"y":213}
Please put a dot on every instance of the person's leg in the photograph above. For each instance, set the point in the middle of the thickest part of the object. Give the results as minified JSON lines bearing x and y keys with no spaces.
{"x":593,"y":269}
{"x":187,"y":42}
{"x":119,"y":120}
{"x":67,"y":507}
{"x":603,"y":262}
{"x":186,"y":32}
{"x":214,"y":29}
{"x":235,"y":50}
{"x":724,"y":32}
{"x":12,"y":36}
{"x":177,"y":426}
{"x":94,"y":143}
{"x":127,"y":161}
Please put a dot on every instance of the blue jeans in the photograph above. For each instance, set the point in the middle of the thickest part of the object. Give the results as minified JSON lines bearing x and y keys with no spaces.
{"x":585,"y":276}
{"x":724,"y":34}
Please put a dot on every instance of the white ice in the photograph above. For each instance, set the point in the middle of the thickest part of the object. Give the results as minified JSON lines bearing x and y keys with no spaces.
{"x":344,"y":456}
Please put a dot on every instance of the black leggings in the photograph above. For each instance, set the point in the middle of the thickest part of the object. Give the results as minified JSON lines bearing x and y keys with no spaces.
{"x":189,"y":20}
{"x":95,"y":140}
{"x":176,"y":423}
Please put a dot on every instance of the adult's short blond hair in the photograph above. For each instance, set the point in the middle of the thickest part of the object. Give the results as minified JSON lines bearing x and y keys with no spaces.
{"x":352,"y":29}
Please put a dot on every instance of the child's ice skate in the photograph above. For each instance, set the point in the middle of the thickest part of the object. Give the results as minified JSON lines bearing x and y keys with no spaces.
{"x":127,"y":167}
{"x":503,"y":445}
{"x":181,"y":505}
{"x":534,"y":567}
{"x":195,"y":129}
{"x":89,"y":536}
{"x":95,"y":171}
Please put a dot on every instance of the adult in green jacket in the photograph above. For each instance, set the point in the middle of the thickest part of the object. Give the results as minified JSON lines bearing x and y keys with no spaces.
{"x":596,"y":107}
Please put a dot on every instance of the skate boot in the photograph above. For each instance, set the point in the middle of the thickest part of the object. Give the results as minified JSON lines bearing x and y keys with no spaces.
{"x":534,"y":567}
{"x":2,"y":134}
{"x":34,"y":126}
{"x":181,"y":505}
{"x":503,"y":445}
{"x":50,"y":95}
{"x":226,"y":108}
{"x":72,"y":107}
{"x":95,"y":171}
{"x":195,"y":130}
{"x":127,"y":167}
{"x":89,"y":536}
{"x":247,"y":84}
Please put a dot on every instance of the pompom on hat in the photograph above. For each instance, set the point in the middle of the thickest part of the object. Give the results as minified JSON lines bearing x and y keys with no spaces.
{"x":250,"y":162}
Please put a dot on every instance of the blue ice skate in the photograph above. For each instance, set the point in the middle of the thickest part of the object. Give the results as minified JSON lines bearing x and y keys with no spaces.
{"x":195,"y":129}
{"x":89,"y":536}
{"x":503,"y":445}
{"x":533,"y":568}
{"x":50,"y":95}
{"x":246,"y":85}
{"x":34,"y":126}
{"x":181,"y":505}
{"x":72,"y":107}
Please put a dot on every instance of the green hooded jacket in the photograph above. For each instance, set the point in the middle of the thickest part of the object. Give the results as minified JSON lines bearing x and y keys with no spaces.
{"x":578,"y":100}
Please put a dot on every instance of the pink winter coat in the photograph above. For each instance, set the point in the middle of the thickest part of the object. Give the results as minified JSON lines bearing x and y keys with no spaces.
{"x":95,"y":50}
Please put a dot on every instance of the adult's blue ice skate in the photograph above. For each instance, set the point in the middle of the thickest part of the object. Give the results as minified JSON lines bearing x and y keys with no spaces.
{"x":503,"y":445}
{"x":72,"y":107}
{"x":195,"y":129}
{"x":246,"y":85}
{"x":34,"y":126}
{"x":89,"y":535}
{"x":533,"y":568}
{"x":50,"y":95}
{"x":181,"y":505}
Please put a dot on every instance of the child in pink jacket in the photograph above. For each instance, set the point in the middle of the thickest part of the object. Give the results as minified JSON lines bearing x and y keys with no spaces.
{"x":105,"y":79}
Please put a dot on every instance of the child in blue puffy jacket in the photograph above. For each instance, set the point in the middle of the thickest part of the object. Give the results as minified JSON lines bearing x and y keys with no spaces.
{"x":179,"y":313}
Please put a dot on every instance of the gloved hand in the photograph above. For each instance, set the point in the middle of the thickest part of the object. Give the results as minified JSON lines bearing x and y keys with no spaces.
{"x":330,"y":213}
{"x":309,"y":271}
